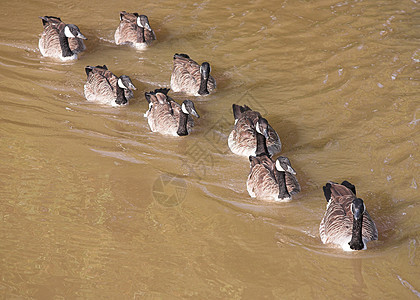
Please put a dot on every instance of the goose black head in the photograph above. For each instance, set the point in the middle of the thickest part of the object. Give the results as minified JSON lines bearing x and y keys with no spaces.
{"x":262,"y":127}
{"x":283,"y":165}
{"x":124,"y":82}
{"x":72,"y":31}
{"x":357,"y":208}
{"x":189,"y":108}
{"x":205,"y":70}
{"x":143,"y":21}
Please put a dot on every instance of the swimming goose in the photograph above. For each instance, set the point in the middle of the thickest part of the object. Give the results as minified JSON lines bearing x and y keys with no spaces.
{"x":268,"y":179}
{"x":168,"y":117}
{"x":191,"y":78}
{"x":104,"y":87}
{"x":242,"y":140}
{"x":60,"y":40}
{"x":135,"y":30}
{"x":346,"y":221}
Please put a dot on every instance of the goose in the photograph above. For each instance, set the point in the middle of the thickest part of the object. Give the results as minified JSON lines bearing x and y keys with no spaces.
{"x":106,"y":88}
{"x":268,"y":179}
{"x":135,"y":30}
{"x":346,"y":221}
{"x":60,"y":40}
{"x":168,"y":117}
{"x":191,"y":78}
{"x":242,"y":140}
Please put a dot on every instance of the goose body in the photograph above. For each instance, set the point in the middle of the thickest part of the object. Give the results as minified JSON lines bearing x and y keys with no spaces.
{"x":134,"y":30}
{"x":268,"y":179}
{"x":243,"y":138}
{"x":346,"y":222}
{"x":168,"y":117}
{"x":60,"y":40}
{"x":104,"y":87}
{"x":191,"y":78}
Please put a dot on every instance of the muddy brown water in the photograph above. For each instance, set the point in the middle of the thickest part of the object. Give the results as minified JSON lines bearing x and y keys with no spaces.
{"x":94,"y":205}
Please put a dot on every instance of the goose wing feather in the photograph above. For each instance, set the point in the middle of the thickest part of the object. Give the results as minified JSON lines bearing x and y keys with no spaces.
{"x":242,"y":140}
{"x":49,"y":43}
{"x":186,"y":76}
{"x":163,"y":115}
{"x":292,"y":184}
{"x":127,"y":32}
{"x":261,"y":182}
{"x":336,"y":225}
{"x":369,"y":230}
{"x":101,"y":85}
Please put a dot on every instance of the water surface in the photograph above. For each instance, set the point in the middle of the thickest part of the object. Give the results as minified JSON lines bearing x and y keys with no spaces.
{"x":94,"y":205}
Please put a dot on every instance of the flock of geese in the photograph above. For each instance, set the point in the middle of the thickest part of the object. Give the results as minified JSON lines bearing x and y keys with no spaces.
{"x":346,"y":222}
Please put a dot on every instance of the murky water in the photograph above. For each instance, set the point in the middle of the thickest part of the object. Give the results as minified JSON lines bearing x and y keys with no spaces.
{"x":94,"y":205}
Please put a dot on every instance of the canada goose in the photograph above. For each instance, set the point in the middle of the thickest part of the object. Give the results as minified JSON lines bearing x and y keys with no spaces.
{"x":134,"y":29}
{"x":268,"y":179}
{"x":60,"y":40}
{"x":191,"y":78}
{"x":242,"y":140}
{"x":104,"y":87}
{"x":346,"y":221}
{"x":168,"y":117}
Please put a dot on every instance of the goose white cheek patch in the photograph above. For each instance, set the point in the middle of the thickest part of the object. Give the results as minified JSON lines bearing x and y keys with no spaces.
{"x":138,"y":22}
{"x":68,"y":33}
{"x":257,"y":128}
{"x":278,"y":167}
{"x":121,"y":84}
{"x":184,"y":109}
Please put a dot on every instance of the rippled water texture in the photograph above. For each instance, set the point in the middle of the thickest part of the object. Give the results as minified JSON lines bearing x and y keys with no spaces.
{"x":94,"y":205}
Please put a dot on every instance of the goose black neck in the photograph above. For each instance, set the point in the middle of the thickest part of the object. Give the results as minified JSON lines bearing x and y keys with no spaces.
{"x":283,"y":193}
{"x":203,"y":86}
{"x":140,"y":35}
{"x":182,"y":125}
{"x":64,"y":44}
{"x":142,"y":38}
{"x":356,"y":242}
{"x":120,"y":96}
{"x":261,"y":145}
